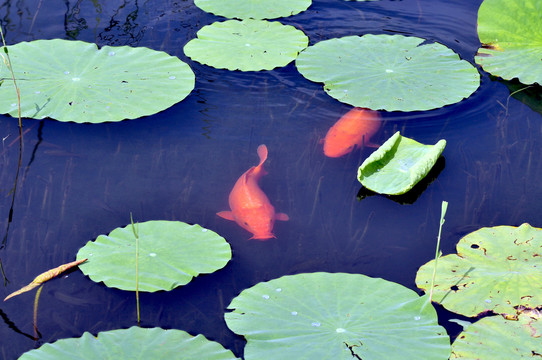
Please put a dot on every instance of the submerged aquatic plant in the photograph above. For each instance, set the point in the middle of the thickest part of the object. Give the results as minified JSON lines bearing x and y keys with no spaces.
{"x":7,"y":62}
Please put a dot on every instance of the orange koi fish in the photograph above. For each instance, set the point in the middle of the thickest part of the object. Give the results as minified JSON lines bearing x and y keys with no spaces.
{"x":355,"y":128}
{"x":250,"y":207}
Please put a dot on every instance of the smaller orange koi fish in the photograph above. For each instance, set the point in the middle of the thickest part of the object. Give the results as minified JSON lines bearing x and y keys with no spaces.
{"x":250,"y":207}
{"x":355,"y":128}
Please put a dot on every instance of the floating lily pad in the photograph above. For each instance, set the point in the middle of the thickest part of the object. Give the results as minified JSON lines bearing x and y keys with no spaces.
{"x":495,"y":269}
{"x":247,"y":45}
{"x":336,"y":316}
{"x":398,"y":164}
{"x":510,"y":33}
{"x":494,"y":338}
{"x":390,"y":72}
{"x":171,"y":253}
{"x":254,"y":9}
{"x":74,"y":81}
{"x":132,"y":343}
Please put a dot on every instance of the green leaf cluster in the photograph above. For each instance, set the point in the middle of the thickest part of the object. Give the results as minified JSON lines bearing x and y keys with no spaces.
{"x":495,"y":271}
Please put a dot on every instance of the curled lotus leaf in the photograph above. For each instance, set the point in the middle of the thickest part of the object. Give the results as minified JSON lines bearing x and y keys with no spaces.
{"x":495,"y":269}
{"x":398,"y":165}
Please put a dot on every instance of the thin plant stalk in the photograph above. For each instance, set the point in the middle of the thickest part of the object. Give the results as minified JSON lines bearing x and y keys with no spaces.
{"x":7,"y":62}
{"x":136,"y":231}
{"x":437,"y":251}
{"x":36,"y":299}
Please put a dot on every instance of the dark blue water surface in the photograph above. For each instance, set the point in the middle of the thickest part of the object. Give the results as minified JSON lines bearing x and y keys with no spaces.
{"x":78,"y":181}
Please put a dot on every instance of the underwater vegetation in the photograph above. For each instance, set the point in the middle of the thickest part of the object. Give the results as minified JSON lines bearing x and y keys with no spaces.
{"x":494,"y":278}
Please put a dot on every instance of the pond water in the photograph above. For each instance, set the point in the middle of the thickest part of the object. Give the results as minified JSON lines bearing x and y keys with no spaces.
{"x":78,"y":181}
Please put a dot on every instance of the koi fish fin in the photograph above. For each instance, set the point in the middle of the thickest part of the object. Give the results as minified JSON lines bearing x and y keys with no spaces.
{"x":262,"y":153}
{"x":282,"y":217}
{"x":228,"y":215}
{"x":263,"y":237}
{"x":373,"y":145}
{"x":258,"y":171}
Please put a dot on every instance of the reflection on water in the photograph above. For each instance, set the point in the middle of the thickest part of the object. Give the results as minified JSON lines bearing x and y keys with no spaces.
{"x":79,"y":181}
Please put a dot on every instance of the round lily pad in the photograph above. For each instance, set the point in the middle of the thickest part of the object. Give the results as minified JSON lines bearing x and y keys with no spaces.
{"x":336,"y":316}
{"x":389,"y":72}
{"x":171,"y":253}
{"x":494,"y":338}
{"x":398,"y":164}
{"x":495,"y":269}
{"x":254,"y":9}
{"x":76,"y":81}
{"x":132,"y":343}
{"x":247,"y":45}
{"x":510,"y":33}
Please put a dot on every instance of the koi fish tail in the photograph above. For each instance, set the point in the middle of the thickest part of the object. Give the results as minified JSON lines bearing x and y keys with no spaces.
{"x":262,"y":153}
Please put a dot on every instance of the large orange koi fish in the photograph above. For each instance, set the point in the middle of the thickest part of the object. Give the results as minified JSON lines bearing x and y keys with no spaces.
{"x":250,"y":207}
{"x":355,"y":128}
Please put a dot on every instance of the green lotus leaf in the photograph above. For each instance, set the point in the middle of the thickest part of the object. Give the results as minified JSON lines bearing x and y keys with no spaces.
{"x":171,"y":253}
{"x":132,"y":343}
{"x":336,"y":316}
{"x":398,"y":164}
{"x":74,"y":81}
{"x":494,"y":338}
{"x":390,"y":72}
{"x":511,"y":33}
{"x":495,"y":269}
{"x":247,"y":45}
{"x":254,"y":9}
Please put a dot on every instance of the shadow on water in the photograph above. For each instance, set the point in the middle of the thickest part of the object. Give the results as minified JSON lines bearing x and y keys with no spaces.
{"x":84,"y":180}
